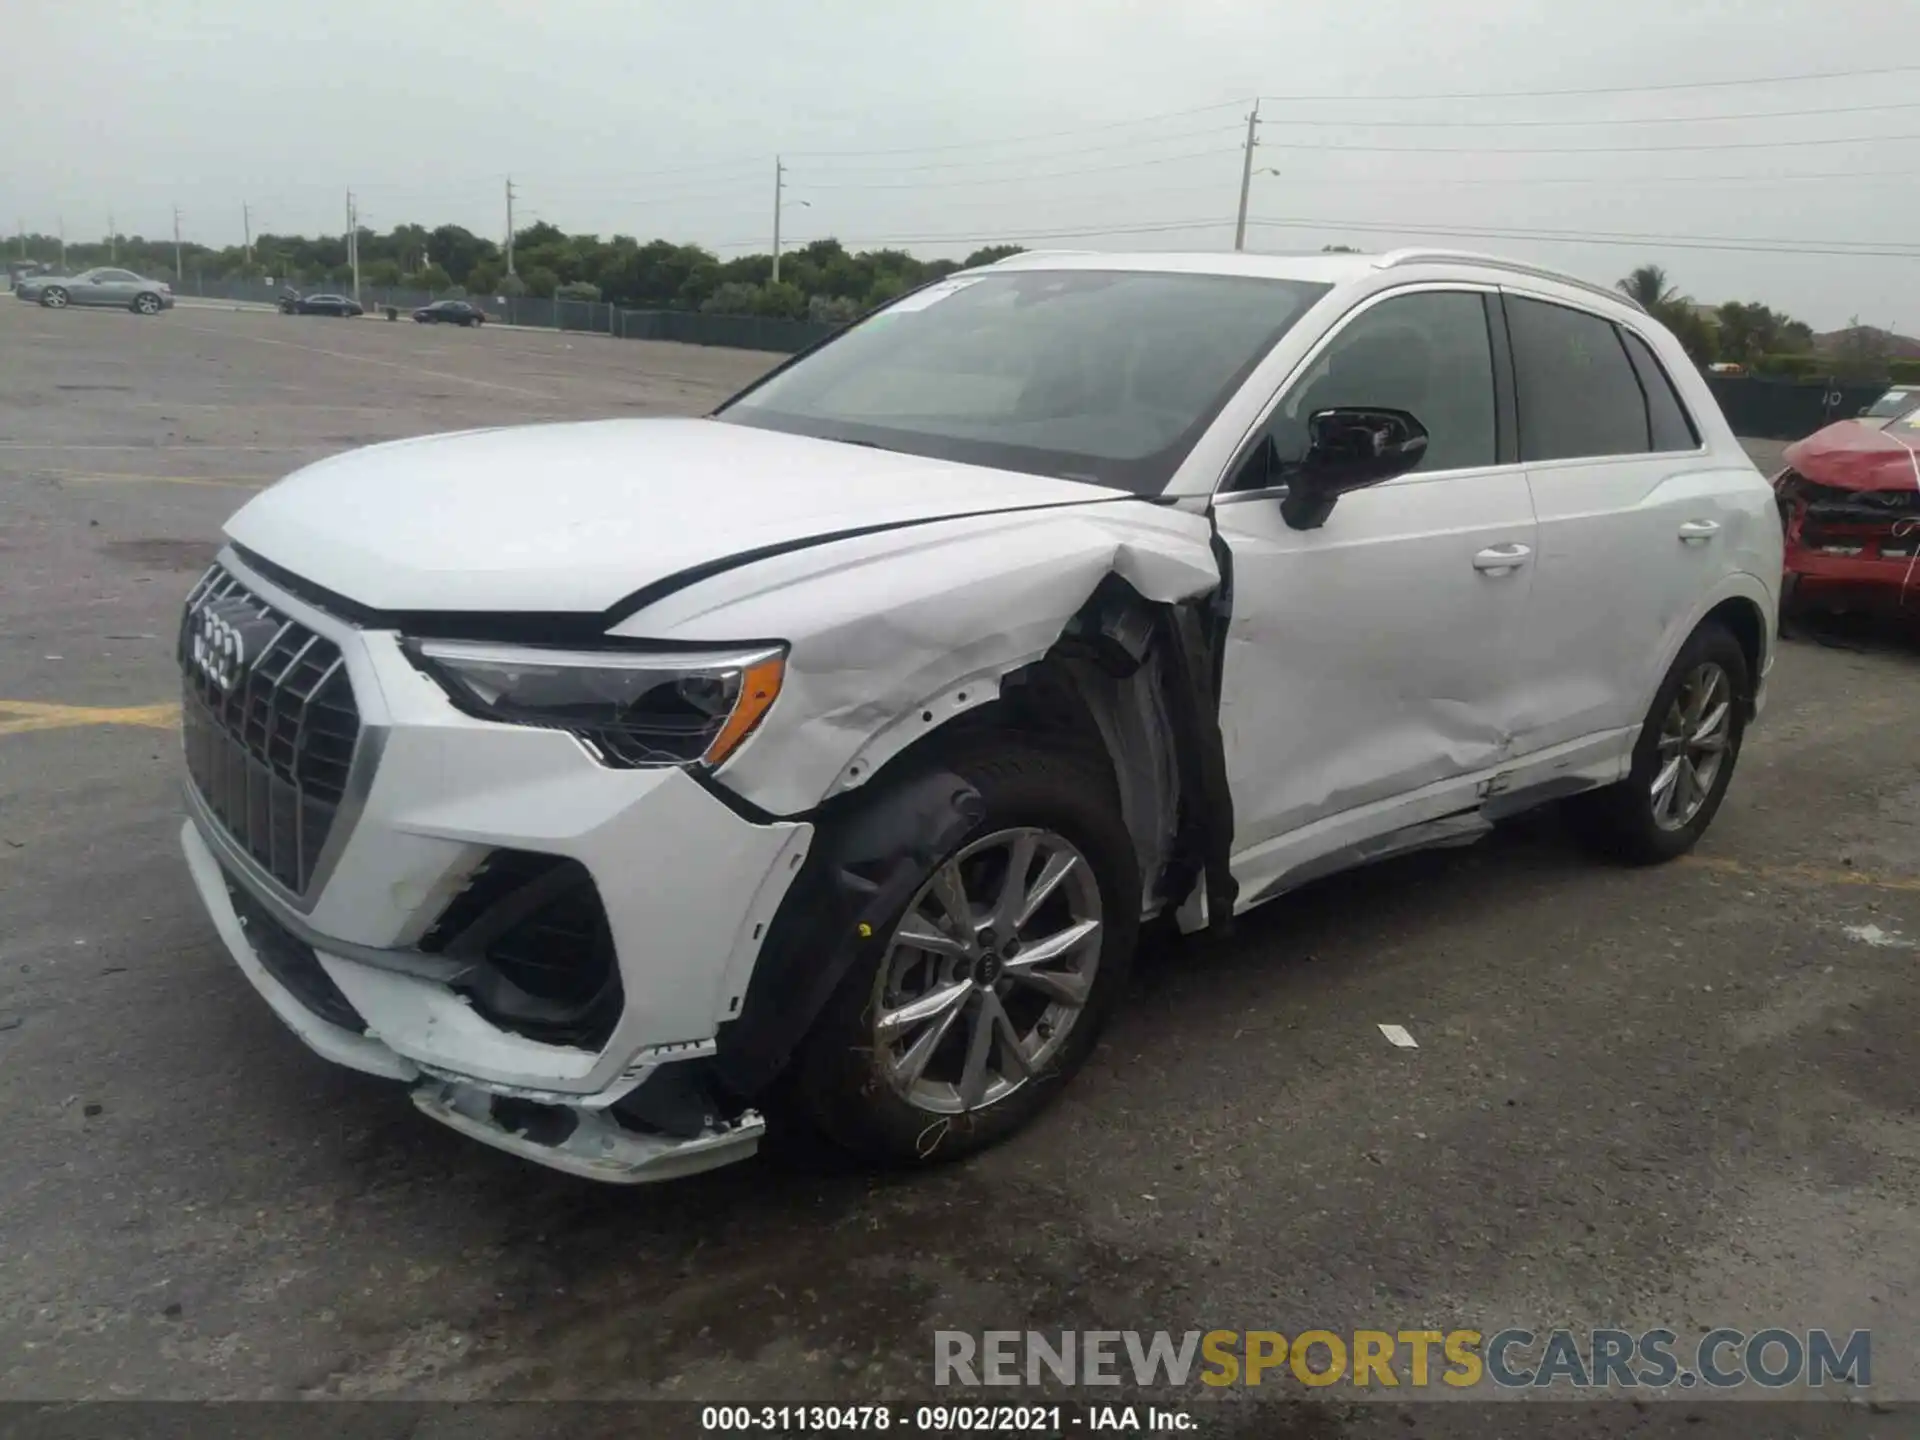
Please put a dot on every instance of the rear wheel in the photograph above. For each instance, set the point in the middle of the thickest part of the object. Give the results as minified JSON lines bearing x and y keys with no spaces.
{"x":1683,"y":761}
{"x":54,"y":298}
{"x":995,"y":978}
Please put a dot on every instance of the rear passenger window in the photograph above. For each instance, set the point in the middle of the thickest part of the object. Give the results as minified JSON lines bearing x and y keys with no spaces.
{"x":1672,"y":430}
{"x":1578,"y":393}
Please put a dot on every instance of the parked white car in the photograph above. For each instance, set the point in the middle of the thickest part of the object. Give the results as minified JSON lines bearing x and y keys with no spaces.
{"x":613,"y":785}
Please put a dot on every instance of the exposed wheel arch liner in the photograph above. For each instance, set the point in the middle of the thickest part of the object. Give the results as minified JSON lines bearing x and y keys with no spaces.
{"x":867,"y":861}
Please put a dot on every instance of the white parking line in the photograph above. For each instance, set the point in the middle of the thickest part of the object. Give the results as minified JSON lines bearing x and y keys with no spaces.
{"x":372,"y":360}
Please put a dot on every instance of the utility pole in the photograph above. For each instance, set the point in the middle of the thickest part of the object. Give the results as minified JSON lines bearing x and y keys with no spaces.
{"x":510,"y":225}
{"x":179,"y":271}
{"x":246,"y":228}
{"x":353,"y":243}
{"x":61,"y":221}
{"x":779,"y":180}
{"x":113,"y":241}
{"x":1246,"y":177}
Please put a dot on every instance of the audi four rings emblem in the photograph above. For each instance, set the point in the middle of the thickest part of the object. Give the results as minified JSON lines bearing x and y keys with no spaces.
{"x":219,"y":649}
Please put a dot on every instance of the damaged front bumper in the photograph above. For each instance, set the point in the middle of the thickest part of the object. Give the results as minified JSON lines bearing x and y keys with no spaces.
{"x":576,"y":1133}
{"x":1853,"y":550}
{"x":571,"y":1132}
{"x":546,"y":950}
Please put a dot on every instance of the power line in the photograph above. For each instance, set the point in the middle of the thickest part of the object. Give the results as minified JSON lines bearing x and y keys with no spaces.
{"x":1050,"y":155}
{"x":1611,"y":120}
{"x":1036,"y":175}
{"x":1614,"y":89}
{"x":1009,"y":236}
{"x":1754,"y":245}
{"x":1583,"y":149}
{"x":1601,"y":237}
{"x":1022,"y":139}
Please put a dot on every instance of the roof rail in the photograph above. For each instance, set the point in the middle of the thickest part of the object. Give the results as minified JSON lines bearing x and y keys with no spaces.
{"x":1419,"y":255}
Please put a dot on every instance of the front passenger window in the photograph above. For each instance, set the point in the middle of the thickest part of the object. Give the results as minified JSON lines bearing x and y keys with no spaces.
{"x":1427,"y":354}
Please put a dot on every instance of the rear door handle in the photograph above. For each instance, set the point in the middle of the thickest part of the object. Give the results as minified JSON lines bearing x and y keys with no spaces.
{"x":1694,"y":530}
{"x":1498,"y":559}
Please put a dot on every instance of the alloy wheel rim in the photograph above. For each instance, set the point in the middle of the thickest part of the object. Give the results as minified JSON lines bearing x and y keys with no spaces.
{"x":56,"y":298}
{"x":148,"y":305}
{"x":988,"y":971}
{"x":1693,"y":745}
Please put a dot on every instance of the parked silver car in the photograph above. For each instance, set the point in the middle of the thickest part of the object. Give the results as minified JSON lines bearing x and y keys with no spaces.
{"x":103,"y":285}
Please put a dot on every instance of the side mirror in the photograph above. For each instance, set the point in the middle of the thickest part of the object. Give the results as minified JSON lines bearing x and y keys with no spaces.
{"x":1348,"y":449}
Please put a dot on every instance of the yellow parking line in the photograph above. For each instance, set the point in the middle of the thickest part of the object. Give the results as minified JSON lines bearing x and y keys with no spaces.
{"x":1803,"y":874}
{"x":34,"y":715}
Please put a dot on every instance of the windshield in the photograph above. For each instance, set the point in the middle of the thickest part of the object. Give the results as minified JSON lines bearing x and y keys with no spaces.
{"x":1894,"y":402}
{"x":1108,"y":376}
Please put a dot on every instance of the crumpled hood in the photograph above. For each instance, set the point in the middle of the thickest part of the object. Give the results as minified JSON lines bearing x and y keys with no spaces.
{"x":1848,"y":455}
{"x":575,"y":518}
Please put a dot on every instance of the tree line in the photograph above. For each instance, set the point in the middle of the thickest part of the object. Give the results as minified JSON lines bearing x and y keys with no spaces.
{"x":1755,"y":336}
{"x":821,"y":280}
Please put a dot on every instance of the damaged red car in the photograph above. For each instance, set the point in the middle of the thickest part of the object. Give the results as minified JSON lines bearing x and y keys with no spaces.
{"x":1850,"y":502}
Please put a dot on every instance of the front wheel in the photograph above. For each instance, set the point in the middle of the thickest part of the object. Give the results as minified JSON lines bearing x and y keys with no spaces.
{"x":147,"y":304}
{"x":1683,"y":760}
{"x":54,"y":298}
{"x":996,"y":976}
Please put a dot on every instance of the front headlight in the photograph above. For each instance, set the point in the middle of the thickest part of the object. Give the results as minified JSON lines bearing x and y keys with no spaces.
{"x":632,"y":709}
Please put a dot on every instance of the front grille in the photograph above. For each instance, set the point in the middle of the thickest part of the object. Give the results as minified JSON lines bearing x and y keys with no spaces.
{"x":270,"y":725}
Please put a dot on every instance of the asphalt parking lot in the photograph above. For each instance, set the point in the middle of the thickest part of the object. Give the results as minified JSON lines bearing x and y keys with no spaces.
{"x":1679,"y":1097}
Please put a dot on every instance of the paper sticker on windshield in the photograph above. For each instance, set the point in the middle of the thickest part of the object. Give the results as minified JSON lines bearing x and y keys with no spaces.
{"x":931,"y":295}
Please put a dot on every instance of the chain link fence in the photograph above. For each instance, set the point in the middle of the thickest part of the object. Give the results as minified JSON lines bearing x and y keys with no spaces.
{"x":592,"y":317}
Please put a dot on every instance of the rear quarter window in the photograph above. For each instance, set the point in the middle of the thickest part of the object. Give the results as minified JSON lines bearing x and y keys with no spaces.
{"x":1673,"y":428}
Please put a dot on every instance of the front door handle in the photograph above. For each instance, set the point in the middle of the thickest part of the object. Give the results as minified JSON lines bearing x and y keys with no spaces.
{"x":1698,"y":530}
{"x":1499,"y":559}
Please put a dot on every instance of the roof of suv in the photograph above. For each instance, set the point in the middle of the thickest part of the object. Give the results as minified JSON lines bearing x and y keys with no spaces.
{"x":1319,"y":267}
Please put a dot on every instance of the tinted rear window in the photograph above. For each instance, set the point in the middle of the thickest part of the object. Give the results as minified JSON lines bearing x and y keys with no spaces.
{"x":1579,"y":395}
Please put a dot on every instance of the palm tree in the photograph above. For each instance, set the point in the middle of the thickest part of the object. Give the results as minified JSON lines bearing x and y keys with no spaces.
{"x":1648,"y":288}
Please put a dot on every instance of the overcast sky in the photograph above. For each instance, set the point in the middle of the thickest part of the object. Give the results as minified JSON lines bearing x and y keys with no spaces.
{"x":959,"y":122}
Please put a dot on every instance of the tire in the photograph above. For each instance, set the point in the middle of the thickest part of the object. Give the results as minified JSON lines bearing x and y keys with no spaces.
{"x":146,"y":303}
{"x":55,"y":298}
{"x":1629,"y":821}
{"x":844,"y":1084}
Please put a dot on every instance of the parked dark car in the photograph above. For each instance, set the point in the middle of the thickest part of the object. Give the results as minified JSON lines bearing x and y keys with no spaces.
{"x":450,"y":312}
{"x":325,"y":305}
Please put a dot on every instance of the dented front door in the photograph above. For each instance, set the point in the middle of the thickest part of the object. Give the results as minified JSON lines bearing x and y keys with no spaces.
{"x":1377,"y":655}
